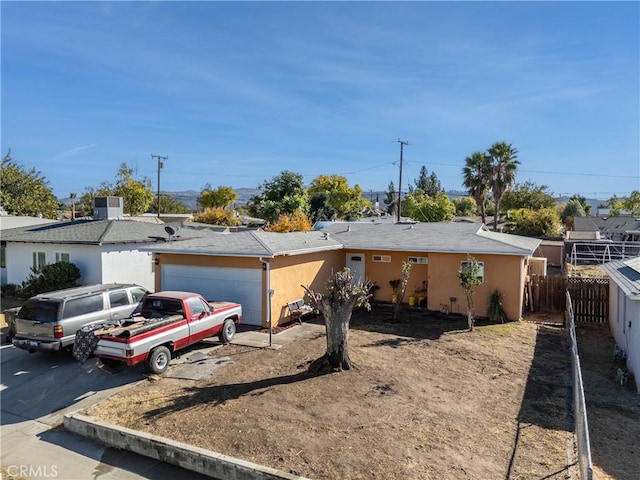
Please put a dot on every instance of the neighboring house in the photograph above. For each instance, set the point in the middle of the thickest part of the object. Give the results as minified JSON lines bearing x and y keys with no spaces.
{"x":624,"y":310}
{"x":246,"y":266}
{"x":105,"y":251}
{"x":616,"y":229}
{"x":8,"y":222}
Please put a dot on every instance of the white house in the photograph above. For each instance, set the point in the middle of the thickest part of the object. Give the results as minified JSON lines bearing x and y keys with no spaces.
{"x":624,"y":310}
{"x":8,"y":222}
{"x":105,"y":251}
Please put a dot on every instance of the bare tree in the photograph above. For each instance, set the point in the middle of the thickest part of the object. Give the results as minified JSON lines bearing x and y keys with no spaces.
{"x":406,"y":273}
{"x":336,"y":306}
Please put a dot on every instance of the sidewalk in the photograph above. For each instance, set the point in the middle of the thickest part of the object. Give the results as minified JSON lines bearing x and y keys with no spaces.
{"x":260,"y":338}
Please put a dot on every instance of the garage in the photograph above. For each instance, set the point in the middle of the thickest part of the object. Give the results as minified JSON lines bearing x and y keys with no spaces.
{"x":241,"y":285}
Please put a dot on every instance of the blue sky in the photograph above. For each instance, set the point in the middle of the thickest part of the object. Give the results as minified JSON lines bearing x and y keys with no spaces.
{"x":235,"y":93}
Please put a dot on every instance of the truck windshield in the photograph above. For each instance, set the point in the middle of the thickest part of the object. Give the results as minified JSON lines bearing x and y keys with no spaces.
{"x":39,"y":311}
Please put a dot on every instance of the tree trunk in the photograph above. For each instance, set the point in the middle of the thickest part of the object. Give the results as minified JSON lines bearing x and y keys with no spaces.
{"x":336,"y":358}
{"x":470,"y":320}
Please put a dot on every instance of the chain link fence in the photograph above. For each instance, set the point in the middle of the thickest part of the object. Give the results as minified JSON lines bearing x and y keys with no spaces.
{"x":579,"y":405}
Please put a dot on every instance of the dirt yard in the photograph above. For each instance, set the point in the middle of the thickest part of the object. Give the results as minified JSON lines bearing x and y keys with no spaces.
{"x":428,"y":401}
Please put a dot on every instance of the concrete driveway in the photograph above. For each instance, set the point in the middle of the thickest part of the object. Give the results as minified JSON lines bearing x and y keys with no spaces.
{"x":36,"y":390}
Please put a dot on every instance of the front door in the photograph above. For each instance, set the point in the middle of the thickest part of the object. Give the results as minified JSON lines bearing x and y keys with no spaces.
{"x":355,"y":263}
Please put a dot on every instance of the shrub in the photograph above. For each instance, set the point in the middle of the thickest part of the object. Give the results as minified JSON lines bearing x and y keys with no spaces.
{"x":496,"y":312}
{"x":55,"y":276}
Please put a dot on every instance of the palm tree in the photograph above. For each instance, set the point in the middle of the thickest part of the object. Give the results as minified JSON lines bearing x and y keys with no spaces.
{"x":504,"y":164}
{"x":477,"y":178}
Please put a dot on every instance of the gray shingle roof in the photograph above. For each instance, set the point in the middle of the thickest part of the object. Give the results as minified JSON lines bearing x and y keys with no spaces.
{"x":426,"y":237}
{"x":97,"y":232}
{"x":431,"y":237}
{"x":252,"y":243}
{"x":605,"y":224}
{"x":626,"y":274}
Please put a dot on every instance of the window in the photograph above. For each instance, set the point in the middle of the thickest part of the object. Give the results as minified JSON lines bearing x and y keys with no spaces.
{"x":137,"y":294}
{"x":381,"y":258}
{"x":480,"y":269}
{"x":118,"y":298}
{"x":418,"y":260}
{"x":197,"y":306}
{"x":62,"y":257}
{"x":83,"y":305}
{"x":39,"y":260}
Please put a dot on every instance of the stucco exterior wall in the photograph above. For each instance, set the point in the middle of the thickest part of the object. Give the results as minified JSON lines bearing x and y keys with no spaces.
{"x":19,"y":260}
{"x":382,"y":272}
{"x":288,"y":274}
{"x":506,"y":273}
{"x":122,"y":265}
{"x":624,"y":321}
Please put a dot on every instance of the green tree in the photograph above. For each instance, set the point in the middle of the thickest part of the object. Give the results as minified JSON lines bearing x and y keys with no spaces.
{"x":347,"y":202}
{"x":465,"y":206}
{"x":281,"y":195}
{"x":222,"y":197}
{"x":429,"y":184}
{"x":544,"y":222}
{"x":614,"y":204}
{"x":169,"y":204}
{"x":527,"y":195}
{"x":476,"y":178}
{"x":391,"y":198}
{"x":573,"y":208}
{"x":136,"y":194}
{"x":632,"y":203}
{"x":343,"y":294}
{"x":423,"y":208}
{"x":504,"y":164}
{"x":583,"y":201}
{"x":469,"y":276}
{"x":320,"y":209}
{"x":25,"y":192}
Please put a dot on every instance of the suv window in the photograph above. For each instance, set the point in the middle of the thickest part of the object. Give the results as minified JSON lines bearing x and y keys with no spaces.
{"x":83,"y":305}
{"x":45,"y":312}
{"x":118,"y":298}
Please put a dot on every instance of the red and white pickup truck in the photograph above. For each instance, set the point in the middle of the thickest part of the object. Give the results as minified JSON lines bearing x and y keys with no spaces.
{"x":167,"y":322}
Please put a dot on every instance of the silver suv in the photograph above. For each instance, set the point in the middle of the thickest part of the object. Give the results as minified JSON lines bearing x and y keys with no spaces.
{"x":49,"y":321}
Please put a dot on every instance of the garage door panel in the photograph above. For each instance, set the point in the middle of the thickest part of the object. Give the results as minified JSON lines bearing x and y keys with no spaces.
{"x":239,"y":285}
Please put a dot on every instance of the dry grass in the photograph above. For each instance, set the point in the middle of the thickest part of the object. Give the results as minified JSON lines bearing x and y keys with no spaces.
{"x":429,"y":400}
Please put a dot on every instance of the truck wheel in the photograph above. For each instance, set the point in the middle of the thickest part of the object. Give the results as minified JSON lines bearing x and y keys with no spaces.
{"x":228,"y":330}
{"x":158,"y":360}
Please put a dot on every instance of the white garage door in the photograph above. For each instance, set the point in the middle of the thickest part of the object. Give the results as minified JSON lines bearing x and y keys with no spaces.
{"x":241,"y":285}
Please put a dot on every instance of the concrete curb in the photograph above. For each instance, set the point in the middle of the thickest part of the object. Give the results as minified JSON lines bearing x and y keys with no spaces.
{"x":186,"y":456}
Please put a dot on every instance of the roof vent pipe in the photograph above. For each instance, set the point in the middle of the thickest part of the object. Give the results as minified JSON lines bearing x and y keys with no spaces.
{"x":348,"y":228}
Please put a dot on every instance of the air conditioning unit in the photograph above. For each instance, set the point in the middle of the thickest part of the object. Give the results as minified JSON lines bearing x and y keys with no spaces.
{"x":108,"y":208}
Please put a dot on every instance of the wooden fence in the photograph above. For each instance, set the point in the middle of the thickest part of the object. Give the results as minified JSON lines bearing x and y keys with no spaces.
{"x":590,"y":296}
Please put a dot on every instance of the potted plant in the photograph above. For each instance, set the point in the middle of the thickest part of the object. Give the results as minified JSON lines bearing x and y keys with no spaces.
{"x":421,"y":294}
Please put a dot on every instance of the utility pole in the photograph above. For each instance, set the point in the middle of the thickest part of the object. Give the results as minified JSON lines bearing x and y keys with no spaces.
{"x":402,"y":144}
{"x":161,"y":161}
